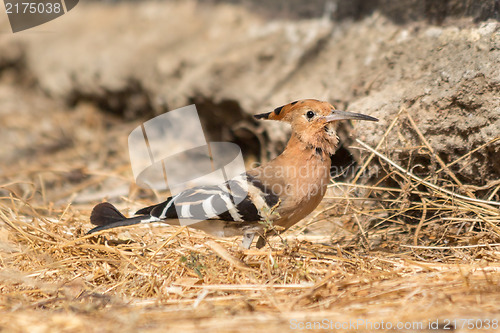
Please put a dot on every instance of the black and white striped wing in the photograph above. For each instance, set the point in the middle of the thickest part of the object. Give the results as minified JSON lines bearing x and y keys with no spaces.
{"x":241,"y":199}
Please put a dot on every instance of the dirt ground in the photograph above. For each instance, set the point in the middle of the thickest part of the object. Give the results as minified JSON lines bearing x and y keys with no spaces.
{"x":412,"y":241}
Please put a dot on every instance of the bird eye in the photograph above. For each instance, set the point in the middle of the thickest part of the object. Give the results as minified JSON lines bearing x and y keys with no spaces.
{"x":309,"y":114}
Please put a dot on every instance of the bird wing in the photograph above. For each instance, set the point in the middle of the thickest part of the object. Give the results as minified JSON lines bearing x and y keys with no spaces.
{"x":241,"y":199}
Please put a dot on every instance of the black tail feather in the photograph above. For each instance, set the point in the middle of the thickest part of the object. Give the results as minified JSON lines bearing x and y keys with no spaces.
{"x":106,"y":216}
{"x":121,"y":223}
{"x":157,"y":210}
{"x":145,"y":210}
{"x":105,"y":213}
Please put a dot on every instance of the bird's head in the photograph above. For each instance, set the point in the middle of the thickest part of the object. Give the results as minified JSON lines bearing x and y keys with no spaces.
{"x":313,"y":122}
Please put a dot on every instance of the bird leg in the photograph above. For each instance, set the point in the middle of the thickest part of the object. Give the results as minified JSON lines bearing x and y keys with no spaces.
{"x":247,"y":240}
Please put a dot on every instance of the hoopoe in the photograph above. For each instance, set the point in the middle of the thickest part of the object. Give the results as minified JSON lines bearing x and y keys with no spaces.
{"x":265,"y":200}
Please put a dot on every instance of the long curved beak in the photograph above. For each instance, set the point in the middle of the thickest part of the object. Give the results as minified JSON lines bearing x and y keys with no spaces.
{"x":344,"y":115}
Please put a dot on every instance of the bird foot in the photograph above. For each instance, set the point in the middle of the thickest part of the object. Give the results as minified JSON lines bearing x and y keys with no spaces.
{"x":261,"y":242}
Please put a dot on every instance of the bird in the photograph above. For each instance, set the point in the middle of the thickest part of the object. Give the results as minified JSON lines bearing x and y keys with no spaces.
{"x":266,"y":200}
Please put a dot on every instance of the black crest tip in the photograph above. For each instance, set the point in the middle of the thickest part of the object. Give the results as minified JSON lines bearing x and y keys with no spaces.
{"x":262,"y":115}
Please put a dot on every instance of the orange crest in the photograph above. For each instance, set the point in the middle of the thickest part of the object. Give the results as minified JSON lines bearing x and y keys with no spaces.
{"x":278,"y":113}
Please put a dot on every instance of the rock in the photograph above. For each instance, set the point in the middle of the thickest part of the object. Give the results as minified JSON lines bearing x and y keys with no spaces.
{"x":141,"y":59}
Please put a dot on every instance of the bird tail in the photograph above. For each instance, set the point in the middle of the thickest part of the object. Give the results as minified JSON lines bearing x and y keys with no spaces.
{"x":106,"y":216}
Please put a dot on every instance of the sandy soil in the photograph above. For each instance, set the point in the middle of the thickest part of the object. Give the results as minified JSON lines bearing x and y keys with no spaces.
{"x":72,"y":90}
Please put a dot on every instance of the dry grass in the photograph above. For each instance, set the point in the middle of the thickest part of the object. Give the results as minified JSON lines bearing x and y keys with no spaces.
{"x":419,"y":249}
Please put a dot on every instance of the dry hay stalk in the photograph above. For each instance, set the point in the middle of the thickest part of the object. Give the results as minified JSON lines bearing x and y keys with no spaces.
{"x":54,"y":277}
{"x":423,"y":213}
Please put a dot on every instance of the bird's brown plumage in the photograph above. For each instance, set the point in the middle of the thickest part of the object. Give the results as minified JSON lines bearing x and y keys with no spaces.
{"x":281,"y":192}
